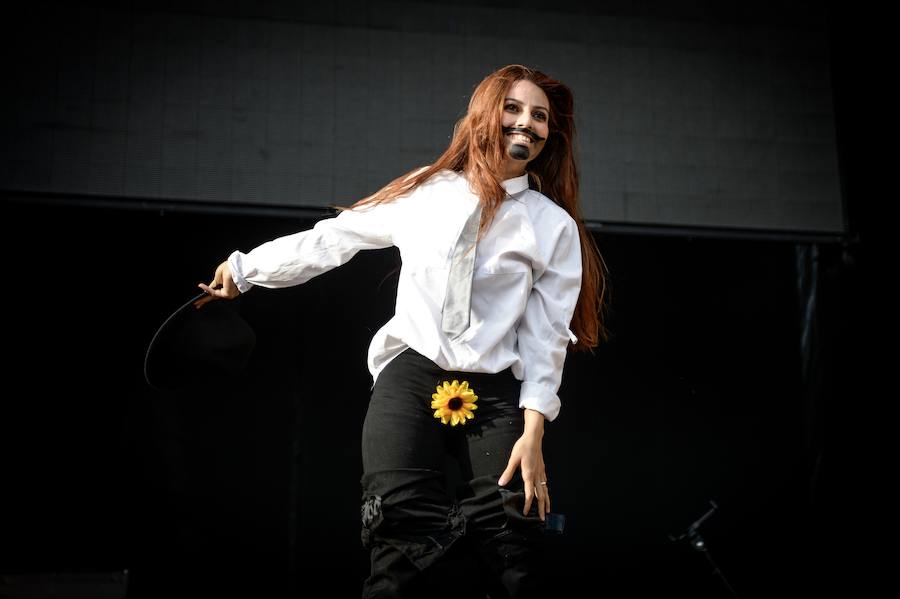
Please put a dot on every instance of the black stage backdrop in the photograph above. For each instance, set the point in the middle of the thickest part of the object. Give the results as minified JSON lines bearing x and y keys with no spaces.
{"x":251,"y":483}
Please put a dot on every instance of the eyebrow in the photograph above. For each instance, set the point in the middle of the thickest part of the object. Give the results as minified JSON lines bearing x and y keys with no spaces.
{"x":521,"y":102}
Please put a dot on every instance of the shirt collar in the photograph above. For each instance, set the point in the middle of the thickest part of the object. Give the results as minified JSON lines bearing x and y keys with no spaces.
{"x":516,"y":184}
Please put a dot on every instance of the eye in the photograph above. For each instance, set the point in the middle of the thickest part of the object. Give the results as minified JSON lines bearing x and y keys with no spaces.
{"x":540,"y":116}
{"x":512,"y":106}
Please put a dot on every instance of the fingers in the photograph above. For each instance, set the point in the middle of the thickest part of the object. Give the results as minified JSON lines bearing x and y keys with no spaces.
{"x":535,"y":479}
{"x":529,"y":496}
{"x":213,"y":291}
{"x":536,"y":489}
{"x":543,"y":499}
{"x":547,"y":497}
{"x":509,"y":472}
{"x":221,"y":287}
{"x":534,"y":476}
{"x":202,"y":302}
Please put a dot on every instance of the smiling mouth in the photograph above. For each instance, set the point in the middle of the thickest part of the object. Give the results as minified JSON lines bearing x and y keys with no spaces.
{"x":522,"y":135}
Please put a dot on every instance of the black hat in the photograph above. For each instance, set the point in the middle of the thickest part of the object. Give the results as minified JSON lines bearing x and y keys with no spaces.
{"x":196,"y":345}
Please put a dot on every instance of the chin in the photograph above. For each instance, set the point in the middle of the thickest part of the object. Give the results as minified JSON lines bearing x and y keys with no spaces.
{"x":529,"y":157}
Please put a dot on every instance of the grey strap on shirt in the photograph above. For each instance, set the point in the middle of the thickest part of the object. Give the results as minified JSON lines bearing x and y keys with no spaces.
{"x":458,"y":299}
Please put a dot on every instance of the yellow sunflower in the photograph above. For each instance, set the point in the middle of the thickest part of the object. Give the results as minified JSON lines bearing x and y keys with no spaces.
{"x":454,"y":403}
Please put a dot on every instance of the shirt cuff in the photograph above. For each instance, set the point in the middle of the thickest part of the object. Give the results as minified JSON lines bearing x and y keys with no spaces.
{"x":237,"y":272}
{"x":540,"y":398}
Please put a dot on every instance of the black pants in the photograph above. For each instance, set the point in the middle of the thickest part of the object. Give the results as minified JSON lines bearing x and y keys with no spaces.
{"x":434,"y":518}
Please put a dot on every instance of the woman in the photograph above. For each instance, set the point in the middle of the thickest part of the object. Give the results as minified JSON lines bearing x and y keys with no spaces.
{"x":499,"y":278}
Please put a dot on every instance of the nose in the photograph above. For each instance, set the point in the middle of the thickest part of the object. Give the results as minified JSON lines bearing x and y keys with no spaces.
{"x":525,"y":120}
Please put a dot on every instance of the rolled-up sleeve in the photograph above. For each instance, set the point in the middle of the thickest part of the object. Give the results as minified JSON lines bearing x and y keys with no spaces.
{"x":297,"y":258}
{"x":543,"y":333}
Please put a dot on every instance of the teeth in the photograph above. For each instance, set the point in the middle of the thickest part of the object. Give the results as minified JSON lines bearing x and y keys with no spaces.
{"x":520,"y":137}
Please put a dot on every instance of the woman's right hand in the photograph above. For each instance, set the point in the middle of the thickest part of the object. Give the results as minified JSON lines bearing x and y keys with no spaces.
{"x":221,"y":287}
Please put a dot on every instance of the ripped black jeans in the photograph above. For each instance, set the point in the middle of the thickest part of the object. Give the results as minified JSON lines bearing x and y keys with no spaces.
{"x":434,"y":519}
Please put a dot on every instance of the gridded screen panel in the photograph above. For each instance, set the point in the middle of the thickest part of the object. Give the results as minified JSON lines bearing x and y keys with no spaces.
{"x":680,"y":122}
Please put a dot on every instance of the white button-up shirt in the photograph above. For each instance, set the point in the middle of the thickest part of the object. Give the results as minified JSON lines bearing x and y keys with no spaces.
{"x":524,"y":290}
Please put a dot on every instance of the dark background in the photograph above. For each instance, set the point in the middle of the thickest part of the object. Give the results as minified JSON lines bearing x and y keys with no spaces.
{"x":707,"y":391}
{"x":703,"y":113}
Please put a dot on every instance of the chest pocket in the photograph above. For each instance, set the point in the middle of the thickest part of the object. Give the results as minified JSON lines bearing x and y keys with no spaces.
{"x":503,"y":258}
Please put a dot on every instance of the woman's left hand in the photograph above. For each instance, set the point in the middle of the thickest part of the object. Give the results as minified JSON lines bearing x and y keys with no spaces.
{"x":528,"y":454}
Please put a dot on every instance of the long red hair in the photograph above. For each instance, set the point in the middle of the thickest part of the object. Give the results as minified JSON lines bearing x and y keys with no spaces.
{"x":478,"y":150}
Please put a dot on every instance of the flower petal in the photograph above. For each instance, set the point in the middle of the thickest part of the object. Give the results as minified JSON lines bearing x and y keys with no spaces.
{"x":445,"y":393}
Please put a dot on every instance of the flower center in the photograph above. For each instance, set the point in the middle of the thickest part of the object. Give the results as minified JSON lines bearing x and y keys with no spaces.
{"x":455,"y":403}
